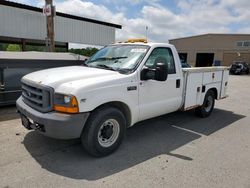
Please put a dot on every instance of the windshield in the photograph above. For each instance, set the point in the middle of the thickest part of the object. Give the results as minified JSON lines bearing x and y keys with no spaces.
{"x":122,"y":58}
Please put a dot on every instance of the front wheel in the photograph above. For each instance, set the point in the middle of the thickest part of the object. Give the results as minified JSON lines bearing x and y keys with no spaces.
{"x":104,"y":131}
{"x":208,"y":105}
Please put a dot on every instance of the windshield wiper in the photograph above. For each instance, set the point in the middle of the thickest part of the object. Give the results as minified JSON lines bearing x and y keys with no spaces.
{"x":121,"y":57}
{"x":117,"y":59}
{"x":99,"y":59}
{"x":107,"y":58}
{"x":105,"y":67}
{"x":123,"y":71}
{"x":85,"y":64}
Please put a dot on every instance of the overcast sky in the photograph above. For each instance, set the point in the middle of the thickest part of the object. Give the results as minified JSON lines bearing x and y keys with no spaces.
{"x":166,"y":19}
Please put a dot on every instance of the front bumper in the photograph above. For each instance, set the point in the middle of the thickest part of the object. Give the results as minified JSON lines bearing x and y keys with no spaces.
{"x":53,"y":124}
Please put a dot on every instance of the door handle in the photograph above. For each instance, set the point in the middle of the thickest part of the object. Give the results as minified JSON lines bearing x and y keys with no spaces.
{"x":178,"y":83}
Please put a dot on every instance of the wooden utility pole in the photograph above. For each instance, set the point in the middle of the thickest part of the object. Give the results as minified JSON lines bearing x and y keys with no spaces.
{"x":50,"y":40}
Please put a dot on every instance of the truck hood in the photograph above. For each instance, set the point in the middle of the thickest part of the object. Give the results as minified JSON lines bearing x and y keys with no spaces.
{"x":56,"y":76}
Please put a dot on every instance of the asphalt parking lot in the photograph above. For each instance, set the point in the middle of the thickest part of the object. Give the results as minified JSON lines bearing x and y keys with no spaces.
{"x":175,"y":150}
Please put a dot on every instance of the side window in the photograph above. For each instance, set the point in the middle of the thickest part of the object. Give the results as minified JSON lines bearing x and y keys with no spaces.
{"x":164,"y":53}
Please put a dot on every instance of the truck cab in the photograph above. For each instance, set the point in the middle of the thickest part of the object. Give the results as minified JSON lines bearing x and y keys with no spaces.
{"x":117,"y":87}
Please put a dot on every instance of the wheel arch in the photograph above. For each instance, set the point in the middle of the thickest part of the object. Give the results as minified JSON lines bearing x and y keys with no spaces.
{"x":215,"y":91}
{"x":124,"y":108}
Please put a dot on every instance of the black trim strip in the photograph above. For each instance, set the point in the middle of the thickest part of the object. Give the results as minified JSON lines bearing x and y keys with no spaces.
{"x":36,"y":9}
{"x":36,"y":42}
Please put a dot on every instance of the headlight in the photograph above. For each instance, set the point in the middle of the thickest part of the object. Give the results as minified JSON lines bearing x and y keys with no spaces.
{"x":67,"y":99}
{"x":65,"y":103}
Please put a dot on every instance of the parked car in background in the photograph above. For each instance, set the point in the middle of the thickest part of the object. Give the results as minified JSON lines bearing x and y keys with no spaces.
{"x":239,"y":67}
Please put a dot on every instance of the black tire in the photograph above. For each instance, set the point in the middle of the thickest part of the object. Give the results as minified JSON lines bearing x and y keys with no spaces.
{"x":99,"y":129}
{"x":208,"y":105}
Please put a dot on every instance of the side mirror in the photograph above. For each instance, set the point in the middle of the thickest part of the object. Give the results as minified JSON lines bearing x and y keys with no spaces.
{"x":160,"y":73}
{"x":147,"y":74}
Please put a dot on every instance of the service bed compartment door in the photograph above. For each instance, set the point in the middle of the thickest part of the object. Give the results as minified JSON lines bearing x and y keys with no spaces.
{"x":193,"y":90}
{"x":224,"y":83}
{"x":212,"y":77}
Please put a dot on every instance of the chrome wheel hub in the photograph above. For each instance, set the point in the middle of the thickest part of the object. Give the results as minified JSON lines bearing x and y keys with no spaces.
{"x":108,"y":133}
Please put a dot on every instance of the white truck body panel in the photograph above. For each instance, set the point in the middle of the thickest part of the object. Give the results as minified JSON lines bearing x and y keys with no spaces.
{"x":66,"y":76}
{"x":91,"y":85}
{"x":192,"y":97}
{"x":158,"y":98}
{"x":199,"y":80}
{"x":155,"y":98}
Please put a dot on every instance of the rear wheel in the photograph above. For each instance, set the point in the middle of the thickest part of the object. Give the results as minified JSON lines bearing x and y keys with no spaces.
{"x":208,"y":105}
{"x":104,"y":131}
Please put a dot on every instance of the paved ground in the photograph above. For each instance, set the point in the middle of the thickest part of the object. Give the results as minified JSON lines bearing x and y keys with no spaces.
{"x":175,"y":150}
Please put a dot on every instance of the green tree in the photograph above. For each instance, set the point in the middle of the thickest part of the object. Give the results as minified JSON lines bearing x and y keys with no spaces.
{"x":13,"y":48}
{"x":84,"y":51}
{"x":35,"y":48}
{"x":3,"y":46}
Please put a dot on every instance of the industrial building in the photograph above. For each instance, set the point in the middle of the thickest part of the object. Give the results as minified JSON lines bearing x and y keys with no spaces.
{"x":26,"y":25}
{"x":213,"y":49}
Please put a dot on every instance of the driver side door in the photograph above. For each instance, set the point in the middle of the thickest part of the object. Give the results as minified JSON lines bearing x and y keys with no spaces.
{"x":160,"y":97}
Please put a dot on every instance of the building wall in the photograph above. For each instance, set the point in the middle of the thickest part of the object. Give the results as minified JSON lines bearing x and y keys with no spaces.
{"x":228,"y":57}
{"x":222,"y":45}
{"x":22,"y":23}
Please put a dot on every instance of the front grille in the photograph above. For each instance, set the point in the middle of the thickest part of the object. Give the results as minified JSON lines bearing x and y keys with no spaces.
{"x":37,"y":96}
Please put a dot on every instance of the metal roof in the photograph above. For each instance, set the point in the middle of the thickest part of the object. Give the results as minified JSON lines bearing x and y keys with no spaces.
{"x":36,"y":9}
{"x":212,"y":34}
{"x":28,"y":23}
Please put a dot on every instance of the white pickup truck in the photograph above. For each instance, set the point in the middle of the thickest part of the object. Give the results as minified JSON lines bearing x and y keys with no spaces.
{"x":117,"y":87}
